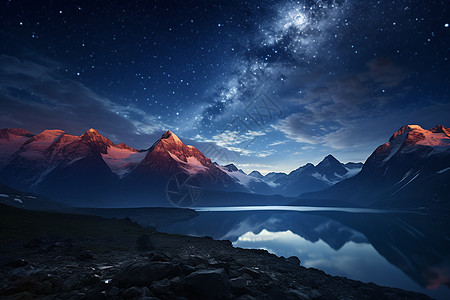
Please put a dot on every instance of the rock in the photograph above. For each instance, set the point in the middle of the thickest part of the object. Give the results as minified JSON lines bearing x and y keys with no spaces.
{"x":186,"y":269}
{"x":293,"y":260}
{"x":95,"y":295}
{"x":24,"y":284}
{"x":252,"y":272}
{"x":234,"y":273}
{"x":143,"y":243}
{"x":300,"y":295}
{"x":246,"y":297}
{"x":196,"y":260}
{"x":158,"y":257}
{"x":132,"y":293}
{"x":213,"y":284}
{"x":83,"y":255}
{"x":21,"y":296}
{"x":15,"y":263}
{"x":277,"y":292}
{"x":114,"y":292}
{"x":91,"y":279}
{"x":161,"y":286}
{"x":314,"y":294}
{"x":239,"y":285}
{"x":144,"y":273}
{"x":45,"y":288}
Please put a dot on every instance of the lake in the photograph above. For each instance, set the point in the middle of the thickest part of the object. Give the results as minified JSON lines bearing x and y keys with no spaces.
{"x":408,"y":250}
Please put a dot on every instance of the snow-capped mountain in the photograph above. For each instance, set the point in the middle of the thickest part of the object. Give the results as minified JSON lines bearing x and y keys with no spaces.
{"x":168,"y":157}
{"x":253,"y":184}
{"x":310,"y":178}
{"x":304,"y":179}
{"x":90,"y":168}
{"x":411,"y":170}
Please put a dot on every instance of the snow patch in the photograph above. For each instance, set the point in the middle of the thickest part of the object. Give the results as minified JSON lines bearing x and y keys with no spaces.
{"x":418,"y":173}
{"x":122,"y":161}
{"x":405,"y":176}
{"x":31,"y":197}
{"x":75,"y":160}
{"x":192,"y":166}
{"x":10,"y":146}
{"x":43,"y":174}
{"x":324,"y":178}
{"x":393,"y":151}
{"x":40,"y":143}
{"x":18,"y":200}
{"x":240,"y":177}
{"x":443,"y":170}
{"x":4,"y":195}
{"x":272,"y":184}
{"x":352,"y":172}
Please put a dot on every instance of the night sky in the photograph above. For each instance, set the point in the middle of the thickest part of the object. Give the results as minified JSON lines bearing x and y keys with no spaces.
{"x":268,"y":85}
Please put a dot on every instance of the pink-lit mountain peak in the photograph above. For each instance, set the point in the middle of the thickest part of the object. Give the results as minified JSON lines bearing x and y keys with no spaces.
{"x":169,"y":153}
{"x":11,"y":133}
{"x":416,"y":135}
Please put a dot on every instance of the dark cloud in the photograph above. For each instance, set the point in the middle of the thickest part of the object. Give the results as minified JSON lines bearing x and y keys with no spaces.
{"x":335,"y":112}
{"x":34,"y":97}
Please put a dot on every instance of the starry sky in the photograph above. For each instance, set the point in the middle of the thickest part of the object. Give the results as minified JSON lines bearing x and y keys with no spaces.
{"x":268,"y":85}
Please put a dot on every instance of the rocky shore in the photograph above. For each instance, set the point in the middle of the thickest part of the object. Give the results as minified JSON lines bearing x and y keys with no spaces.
{"x":132,"y":262}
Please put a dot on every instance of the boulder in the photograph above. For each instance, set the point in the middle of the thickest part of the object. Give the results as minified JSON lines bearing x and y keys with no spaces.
{"x":143,"y":243}
{"x":293,"y":260}
{"x":211,"y":284}
{"x":161,"y":286}
{"x":144,"y":273}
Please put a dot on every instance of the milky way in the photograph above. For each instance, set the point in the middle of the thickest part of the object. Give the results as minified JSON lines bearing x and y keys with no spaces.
{"x":269,"y":85}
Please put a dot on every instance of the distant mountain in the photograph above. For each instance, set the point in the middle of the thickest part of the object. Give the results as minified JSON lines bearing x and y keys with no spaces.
{"x":256,"y":174}
{"x":311,"y":178}
{"x":251,"y":183}
{"x":304,"y":179}
{"x":411,"y":170}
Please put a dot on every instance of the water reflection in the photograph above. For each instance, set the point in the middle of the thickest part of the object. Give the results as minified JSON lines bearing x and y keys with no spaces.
{"x":406,"y":250}
{"x":353,"y":260}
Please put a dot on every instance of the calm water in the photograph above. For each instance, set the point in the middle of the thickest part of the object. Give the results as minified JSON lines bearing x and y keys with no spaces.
{"x":399,"y":249}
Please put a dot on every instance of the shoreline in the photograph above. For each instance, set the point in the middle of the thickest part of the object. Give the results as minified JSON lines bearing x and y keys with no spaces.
{"x":90,"y":257}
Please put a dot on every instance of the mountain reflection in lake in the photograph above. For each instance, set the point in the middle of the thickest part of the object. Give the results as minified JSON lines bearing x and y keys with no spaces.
{"x":406,"y":250}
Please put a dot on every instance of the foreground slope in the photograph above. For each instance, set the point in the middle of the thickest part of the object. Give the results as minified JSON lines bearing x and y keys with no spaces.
{"x":87,"y":257}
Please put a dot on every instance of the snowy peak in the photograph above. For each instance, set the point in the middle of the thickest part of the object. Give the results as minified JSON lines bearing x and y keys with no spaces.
{"x":99,"y":142}
{"x":256,"y":174}
{"x":404,"y":130}
{"x":169,"y":155}
{"x":411,"y":135}
{"x":328,"y":161}
{"x":169,"y":136}
{"x":9,"y":133}
{"x":125,"y":147}
{"x":441,"y":129}
{"x":330,"y":165}
{"x":231,"y":168}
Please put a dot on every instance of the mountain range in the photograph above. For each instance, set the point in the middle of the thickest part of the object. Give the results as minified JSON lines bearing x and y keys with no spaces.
{"x":411,"y":170}
{"x":91,"y":170}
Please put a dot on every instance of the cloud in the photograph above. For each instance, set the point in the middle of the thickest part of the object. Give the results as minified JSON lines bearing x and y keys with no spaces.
{"x":237,"y":142}
{"x":35,"y":97}
{"x":333,"y":113}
